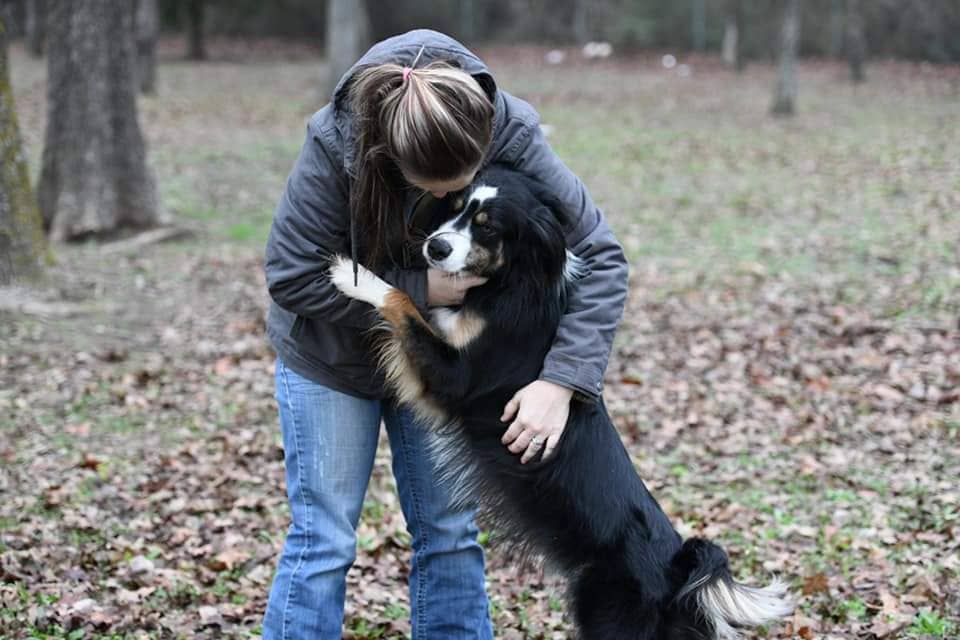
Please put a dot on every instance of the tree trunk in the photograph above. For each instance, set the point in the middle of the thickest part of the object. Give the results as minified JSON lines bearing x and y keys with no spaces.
{"x":785,"y":93}
{"x":21,"y":231}
{"x":581,"y":21}
{"x":148,"y":23}
{"x":699,"y":24}
{"x":94,"y":179}
{"x":147,"y":27}
{"x":348,"y":36}
{"x":855,"y":41}
{"x":730,"y":36}
{"x":36,"y":26}
{"x":468,"y":17}
{"x":732,"y":48}
{"x":198,"y":47}
{"x":836,"y":28}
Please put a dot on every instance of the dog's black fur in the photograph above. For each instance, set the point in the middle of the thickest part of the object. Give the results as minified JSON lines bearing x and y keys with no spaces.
{"x":584,"y":510}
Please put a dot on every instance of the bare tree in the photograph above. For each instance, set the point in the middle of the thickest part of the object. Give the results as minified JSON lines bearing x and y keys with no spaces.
{"x":732,"y":47}
{"x":467,"y":14}
{"x":197,"y":49}
{"x":94,"y":179}
{"x":837,"y":27}
{"x":36,"y":26}
{"x":21,"y":232}
{"x":348,"y":36}
{"x":698,"y":24}
{"x":785,"y":93}
{"x":856,"y":43}
{"x":581,"y":21}
{"x":148,"y":24}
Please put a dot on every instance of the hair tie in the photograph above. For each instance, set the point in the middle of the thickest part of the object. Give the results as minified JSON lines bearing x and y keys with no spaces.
{"x":408,"y":70}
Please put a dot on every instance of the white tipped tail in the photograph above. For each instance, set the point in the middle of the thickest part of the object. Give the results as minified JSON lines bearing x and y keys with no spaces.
{"x":727,"y":604}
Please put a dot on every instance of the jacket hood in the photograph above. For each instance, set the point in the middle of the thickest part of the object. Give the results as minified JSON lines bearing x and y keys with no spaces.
{"x":402,"y":49}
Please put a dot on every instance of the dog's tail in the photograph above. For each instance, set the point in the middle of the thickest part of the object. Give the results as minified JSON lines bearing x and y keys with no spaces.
{"x":714,"y":595}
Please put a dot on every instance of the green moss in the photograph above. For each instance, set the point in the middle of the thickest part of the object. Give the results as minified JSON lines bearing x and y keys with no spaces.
{"x":21,"y":231}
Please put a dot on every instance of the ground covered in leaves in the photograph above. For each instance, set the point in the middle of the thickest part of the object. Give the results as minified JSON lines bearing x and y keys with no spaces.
{"x":787,"y":375}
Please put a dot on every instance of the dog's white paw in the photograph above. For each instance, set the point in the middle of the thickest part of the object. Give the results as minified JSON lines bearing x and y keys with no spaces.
{"x":368,"y":288}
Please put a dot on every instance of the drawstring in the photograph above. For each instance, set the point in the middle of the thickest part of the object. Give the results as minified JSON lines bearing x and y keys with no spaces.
{"x":353,"y":241}
{"x":353,"y":253}
{"x":410,"y":222}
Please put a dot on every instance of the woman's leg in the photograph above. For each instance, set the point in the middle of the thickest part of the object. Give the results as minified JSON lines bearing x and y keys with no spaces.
{"x":448,"y":598}
{"x":329,"y":442}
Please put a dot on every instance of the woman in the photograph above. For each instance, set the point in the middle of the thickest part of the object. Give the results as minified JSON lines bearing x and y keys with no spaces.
{"x":417,"y":114}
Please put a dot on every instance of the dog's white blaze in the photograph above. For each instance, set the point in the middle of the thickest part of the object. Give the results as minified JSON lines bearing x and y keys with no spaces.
{"x":459,"y":328}
{"x":445,"y":319}
{"x":483,"y":192}
{"x":725,"y":605}
{"x":369,"y":287}
{"x":460,"y":241}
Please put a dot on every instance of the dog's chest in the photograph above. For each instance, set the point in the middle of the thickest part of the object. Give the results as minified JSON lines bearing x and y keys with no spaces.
{"x":459,"y":327}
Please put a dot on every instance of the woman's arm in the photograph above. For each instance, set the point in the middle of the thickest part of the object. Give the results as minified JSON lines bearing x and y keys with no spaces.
{"x":578,"y":357}
{"x":311,"y":224}
{"x":581,"y":349}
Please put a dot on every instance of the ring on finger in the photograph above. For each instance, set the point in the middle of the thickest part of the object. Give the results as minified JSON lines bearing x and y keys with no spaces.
{"x":536,"y":442}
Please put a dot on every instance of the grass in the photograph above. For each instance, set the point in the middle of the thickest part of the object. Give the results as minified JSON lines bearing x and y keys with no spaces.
{"x":929,"y":624}
{"x":716,"y":185}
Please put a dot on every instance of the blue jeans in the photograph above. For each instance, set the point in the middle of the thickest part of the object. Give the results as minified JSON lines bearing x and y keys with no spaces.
{"x":329,"y":441}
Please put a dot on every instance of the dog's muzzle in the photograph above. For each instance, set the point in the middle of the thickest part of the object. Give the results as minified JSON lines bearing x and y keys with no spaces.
{"x":438,"y":249}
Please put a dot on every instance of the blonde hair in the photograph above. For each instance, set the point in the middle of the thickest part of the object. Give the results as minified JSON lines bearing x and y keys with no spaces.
{"x":430,"y":123}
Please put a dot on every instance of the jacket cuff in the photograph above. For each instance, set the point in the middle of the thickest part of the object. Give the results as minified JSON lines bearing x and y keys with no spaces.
{"x":584,"y":378}
{"x":413,"y":282}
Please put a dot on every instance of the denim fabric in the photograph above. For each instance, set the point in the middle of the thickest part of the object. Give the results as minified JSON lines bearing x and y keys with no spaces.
{"x":329,"y":440}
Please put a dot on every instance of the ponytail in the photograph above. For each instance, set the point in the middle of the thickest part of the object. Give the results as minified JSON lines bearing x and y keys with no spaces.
{"x":431,"y":123}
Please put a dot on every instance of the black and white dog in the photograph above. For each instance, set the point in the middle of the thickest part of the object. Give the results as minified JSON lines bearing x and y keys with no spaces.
{"x":584,"y":510}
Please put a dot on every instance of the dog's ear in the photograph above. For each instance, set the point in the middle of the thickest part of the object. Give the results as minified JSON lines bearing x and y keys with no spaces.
{"x":547,"y":197}
{"x":544,"y":242}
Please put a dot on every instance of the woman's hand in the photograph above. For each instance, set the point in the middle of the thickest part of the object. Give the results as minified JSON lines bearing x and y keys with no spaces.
{"x":447,"y":290}
{"x":541,"y":409}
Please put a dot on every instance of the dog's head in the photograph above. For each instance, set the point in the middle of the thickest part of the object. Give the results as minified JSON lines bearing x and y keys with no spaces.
{"x":501,"y":223}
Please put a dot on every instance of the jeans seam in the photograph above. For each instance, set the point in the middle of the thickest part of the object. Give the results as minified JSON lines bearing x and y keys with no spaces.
{"x":418,"y":510}
{"x":303,"y":500}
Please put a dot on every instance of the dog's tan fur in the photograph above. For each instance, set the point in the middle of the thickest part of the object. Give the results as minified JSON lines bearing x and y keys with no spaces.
{"x":398,"y":310}
{"x":459,"y":328}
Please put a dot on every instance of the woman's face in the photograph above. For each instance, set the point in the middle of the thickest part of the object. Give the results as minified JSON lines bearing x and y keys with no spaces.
{"x":440,"y":188}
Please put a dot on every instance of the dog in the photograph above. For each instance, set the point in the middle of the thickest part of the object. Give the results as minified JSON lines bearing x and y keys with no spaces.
{"x":584,"y":510}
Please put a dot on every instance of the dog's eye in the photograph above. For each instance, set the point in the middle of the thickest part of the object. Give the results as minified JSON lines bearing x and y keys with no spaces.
{"x":481,"y":219}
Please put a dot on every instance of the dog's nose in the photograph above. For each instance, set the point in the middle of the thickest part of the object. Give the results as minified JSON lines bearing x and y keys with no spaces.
{"x":438,"y":249}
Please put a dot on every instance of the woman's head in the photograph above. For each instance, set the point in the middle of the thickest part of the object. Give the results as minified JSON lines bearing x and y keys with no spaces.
{"x":429,"y":127}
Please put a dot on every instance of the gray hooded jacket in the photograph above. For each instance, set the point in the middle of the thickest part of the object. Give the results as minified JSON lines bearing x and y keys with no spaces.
{"x":323,"y":335}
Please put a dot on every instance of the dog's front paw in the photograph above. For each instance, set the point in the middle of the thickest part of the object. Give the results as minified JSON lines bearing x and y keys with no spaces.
{"x":368,"y":287}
